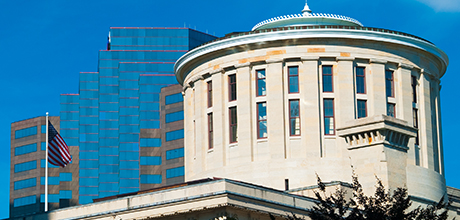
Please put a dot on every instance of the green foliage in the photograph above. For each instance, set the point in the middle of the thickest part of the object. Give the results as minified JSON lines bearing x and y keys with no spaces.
{"x":383,"y":205}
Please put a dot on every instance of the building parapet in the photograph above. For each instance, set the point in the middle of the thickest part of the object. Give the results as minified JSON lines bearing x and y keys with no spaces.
{"x":379,"y":129}
{"x":189,"y":199}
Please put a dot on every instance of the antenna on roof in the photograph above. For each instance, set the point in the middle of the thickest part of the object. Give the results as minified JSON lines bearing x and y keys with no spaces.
{"x":306,"y":10}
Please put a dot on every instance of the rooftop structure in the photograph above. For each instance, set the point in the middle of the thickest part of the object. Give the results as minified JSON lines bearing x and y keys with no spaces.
{"x":307,"y":18}
{"x":315,"y":93}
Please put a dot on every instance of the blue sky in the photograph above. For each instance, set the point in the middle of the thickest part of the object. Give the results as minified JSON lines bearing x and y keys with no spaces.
{"x":45,"y":44}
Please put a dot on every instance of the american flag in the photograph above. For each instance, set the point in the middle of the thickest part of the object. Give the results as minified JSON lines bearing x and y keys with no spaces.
{"x":58,"y":151}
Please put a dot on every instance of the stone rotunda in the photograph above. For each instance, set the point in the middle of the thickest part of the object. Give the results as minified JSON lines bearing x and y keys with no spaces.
{"x":315,"y":93}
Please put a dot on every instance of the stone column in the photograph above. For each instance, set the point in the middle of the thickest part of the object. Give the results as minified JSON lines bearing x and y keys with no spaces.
{"x":404,"y":94}
{"x":275,"y":109}
{"x":190,"y":131}
{"x":345,"y":95}
{"x":434,"y":121}
{"x":200,"y":124}
{"x":216,"y":156}
{"x":377,"y":103}
{"x":438,"y":114}
{"x":426,"y":134}
{"x":189,"y":145}
{"x":310,"y":117}
{"x":245,"y":108}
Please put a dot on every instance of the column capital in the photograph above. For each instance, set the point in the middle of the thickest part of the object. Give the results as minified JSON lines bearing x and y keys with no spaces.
{"x":218,"y":70}
{"x":196,"y":79}
{"x":185,"y":87}
{"x":310,"y":58}
{"x":242,"y":65}
{"x":274,"y":60}
{"x":406,"y":66}
{"x":377,"y":61}
{"x":345,"y":58}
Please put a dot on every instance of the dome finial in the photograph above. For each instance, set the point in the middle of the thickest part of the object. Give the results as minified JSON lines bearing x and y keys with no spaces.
{"x":306,"y":10}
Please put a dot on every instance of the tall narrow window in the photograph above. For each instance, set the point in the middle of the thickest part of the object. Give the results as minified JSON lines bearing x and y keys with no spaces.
{"x":360,"y":80}
{"x":389,"y":83}
{"x":232,"y":87}
{"x":293,"y":79}
{"x":414,"y":89}
{"x":261,"y":87}
{"x":294,"y":117}
{"x":209,"y":94}
{"x":233,"y":123}
{"x":391,"y":110}
{"x":262,"y":120}
{"x":417,"y":138}
{"x":210,"y":132}
{"x":327,"y":79}
{"x":415,"y":115}
{"x":417,"y":155}
{"x":362,"y":109}
{"x":329,"y":127}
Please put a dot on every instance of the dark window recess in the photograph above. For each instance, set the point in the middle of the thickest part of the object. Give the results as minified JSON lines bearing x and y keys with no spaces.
{"x":293,"y":79}
{"x":391,"y":110}
{"x":210,"y":132}
{"x":414,"y":88}
{"x":261,"y":85}
{"x":328,"y":84}
{"x":233,"y":123}
{"x":329,"y":126}
{"x":232,"y":87}
{"x":262,"y":120}
{"x":360,"y":80}
{"x":209,"y":94}
{"x":362,"y":108}
{"x":389,"y":83}
{"x":415,"y":115}
{"x":294,"y":117}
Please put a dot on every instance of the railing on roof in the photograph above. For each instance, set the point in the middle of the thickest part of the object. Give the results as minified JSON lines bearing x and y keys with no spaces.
{"x":268,"y":30}
{"x":320,"y":15}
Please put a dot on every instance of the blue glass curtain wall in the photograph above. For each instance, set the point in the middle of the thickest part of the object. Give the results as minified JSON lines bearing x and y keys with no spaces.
{"x":115,"y":103}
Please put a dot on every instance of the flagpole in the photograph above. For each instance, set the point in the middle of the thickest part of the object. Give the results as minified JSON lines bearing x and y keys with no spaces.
{"x":46,"y":166}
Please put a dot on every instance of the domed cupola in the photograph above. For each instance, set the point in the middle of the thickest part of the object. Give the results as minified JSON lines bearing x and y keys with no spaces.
{"x":307,"y":19}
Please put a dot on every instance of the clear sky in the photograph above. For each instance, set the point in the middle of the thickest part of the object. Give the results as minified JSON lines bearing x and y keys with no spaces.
{"x":45,"y":44}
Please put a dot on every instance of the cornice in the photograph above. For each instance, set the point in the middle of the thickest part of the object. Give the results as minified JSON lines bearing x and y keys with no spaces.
{"x":308,"y":34}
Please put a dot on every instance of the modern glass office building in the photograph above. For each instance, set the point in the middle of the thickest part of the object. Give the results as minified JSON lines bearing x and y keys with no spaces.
{"x":127,"y":119}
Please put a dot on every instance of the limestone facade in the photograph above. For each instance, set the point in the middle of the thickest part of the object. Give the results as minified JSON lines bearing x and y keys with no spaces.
{"x":375,"y":145}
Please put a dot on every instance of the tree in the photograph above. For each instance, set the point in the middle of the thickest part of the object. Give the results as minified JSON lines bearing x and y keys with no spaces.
{"x":383,"y":205}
